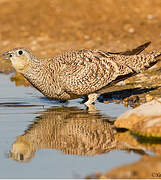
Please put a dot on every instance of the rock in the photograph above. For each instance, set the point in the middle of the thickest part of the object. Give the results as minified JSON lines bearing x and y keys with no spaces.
{"x":148,"y":110}
{"x":116,"y":101}
{"x":133,"y":99}
{"x":129,"y":28}
{"x":150,"y":127}
{"x":151,"y":16}
{"x":106,"y":102}
{"x":149,"y":98}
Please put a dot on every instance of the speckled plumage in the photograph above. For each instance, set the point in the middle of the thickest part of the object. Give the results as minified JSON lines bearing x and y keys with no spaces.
{"x":77,"y":73}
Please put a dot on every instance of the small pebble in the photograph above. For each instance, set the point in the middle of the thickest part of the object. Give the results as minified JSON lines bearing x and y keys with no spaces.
{"x":116,"y":101}
{"x":106,"y":102}
{"x":149,"y":98}
{"x":131,"y":30}
{"x":150,"y":16}
{"x":86,"y":37}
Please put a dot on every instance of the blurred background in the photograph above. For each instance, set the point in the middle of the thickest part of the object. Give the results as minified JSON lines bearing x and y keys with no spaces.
{"x":51,"y":26}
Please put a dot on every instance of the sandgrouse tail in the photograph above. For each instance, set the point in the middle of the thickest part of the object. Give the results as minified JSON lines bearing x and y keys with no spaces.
{"x":80,"y":73}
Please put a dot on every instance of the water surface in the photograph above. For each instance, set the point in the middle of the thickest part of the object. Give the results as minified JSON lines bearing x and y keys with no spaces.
{"x":55,"y":140}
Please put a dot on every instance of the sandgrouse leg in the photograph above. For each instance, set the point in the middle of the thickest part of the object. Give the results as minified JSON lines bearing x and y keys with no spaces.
{"x":91,"y":99}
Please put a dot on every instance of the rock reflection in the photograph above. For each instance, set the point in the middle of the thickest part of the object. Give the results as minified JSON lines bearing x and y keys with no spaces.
{"x":146,"y":144}
{"x":148,"y":167}
{"x":71,"y":130}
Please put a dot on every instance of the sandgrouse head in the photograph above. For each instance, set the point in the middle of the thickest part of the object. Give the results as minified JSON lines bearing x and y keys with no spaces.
{"x":21,"y":59}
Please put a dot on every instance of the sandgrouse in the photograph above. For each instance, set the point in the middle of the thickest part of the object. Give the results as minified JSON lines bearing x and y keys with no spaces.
{"x":81,"y":72}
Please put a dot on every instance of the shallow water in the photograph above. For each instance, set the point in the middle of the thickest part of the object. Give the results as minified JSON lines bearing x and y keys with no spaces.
{"x":66,"y":141}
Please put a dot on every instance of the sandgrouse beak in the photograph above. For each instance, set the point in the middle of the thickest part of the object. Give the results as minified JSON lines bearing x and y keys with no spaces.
{"x":6,"y":55}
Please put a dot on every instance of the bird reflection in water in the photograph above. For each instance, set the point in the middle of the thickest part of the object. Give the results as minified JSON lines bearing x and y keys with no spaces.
{"x":68,"y":129}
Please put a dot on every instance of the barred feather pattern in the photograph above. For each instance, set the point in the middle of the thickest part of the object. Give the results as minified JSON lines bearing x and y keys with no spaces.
{"x":77,"y":73}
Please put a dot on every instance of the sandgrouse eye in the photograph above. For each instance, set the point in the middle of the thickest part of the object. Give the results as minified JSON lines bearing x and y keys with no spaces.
{"x":20,"y":52}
